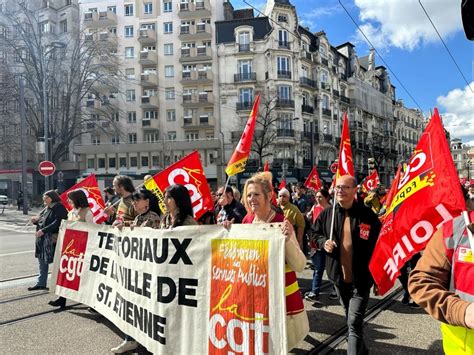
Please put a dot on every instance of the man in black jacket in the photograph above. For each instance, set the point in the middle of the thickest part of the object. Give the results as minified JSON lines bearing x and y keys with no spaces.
{"x":355,"y":232}
{"x":230,"y":208}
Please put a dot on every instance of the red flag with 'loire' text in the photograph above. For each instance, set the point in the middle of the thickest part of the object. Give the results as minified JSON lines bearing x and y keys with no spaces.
{"x":427,"y":195}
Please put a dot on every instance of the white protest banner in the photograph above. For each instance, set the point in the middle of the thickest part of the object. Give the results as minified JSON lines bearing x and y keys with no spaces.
{"x":191,"y":290}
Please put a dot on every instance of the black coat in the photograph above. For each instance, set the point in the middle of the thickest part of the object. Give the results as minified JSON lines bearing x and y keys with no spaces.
{"x":49,"y":222}
{"x":362,"y":249}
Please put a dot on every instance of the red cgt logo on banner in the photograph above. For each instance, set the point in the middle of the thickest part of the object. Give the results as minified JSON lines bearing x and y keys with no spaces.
{"x":426,"y":195}
{"x":72,"y":259}
{"x":190,"y":173}
{"x":96,"y":203}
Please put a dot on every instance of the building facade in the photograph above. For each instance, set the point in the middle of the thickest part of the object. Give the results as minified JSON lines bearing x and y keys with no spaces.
{"x":463,"y":158}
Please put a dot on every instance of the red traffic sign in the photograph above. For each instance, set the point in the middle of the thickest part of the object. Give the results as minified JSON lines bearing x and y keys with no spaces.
{"x":46,"y":168}
{"x":333,"y":168}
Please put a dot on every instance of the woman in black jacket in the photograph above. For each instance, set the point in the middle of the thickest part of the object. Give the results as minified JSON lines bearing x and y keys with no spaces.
{"x":47,"y":228}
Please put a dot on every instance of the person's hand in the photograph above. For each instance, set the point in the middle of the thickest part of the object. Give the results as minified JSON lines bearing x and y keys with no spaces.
{"x":34,"y":219}
{"x":223,"y":200}
{"x":118,"y":224}
{"x":329,"y":246}
{"x":469,"y":316}
{"x":39,"y":234}
{"x":110,"y":211}
{"x":227,"y":224}
{"x":287,"y":230}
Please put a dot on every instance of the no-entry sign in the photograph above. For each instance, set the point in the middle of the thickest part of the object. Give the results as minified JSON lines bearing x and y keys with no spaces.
{"x":46,"y":168}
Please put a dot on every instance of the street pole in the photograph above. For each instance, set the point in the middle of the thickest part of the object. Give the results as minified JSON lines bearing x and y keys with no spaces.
{"x":45,"y":116}
{"x":311,"y":153}
{"x":24,"y":182}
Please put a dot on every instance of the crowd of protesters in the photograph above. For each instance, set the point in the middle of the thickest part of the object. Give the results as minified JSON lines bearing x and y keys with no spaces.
{"x":335,"y":227}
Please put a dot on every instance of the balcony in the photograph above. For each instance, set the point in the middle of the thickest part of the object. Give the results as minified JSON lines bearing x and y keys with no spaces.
{"x":107,"y":39}
{"x":306,"y":55}
{"x":335,"y":93}
{"x":148,"y":80}
{"x":284,"y":74}
{"x":325,"y":86}
{"x":195,"y":54}
{"x":93,"y":103}
{"x":100,"y":19}
{"x":245,"y":77}
{"x":307,"y":136}
{"x":326,"y":112}
{"x":147,"y":36}
{"x":193,"y":77}
{"x":244,"y":106}
{"x":200,"y":100}
{"x":149,"y":102}
{"x":196,"y":32}
{"x":307,"y":109}
{"x":285,"y":103}
{"x":345,"y":99}
{"x":308,"y":82}
{"x":327,"y":138}
{"x":194,"y":9}
{"x":324,"y":61}
{"x":148,"y":123}
{"x":148,"y":58}
{"x":283,"y":45}
{"x":283,"y":132}
{"x":201,"y":121}
{"x":244,"y":47}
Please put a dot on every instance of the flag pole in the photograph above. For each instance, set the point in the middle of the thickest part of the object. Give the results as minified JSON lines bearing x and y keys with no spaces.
{"x":331,"y":233}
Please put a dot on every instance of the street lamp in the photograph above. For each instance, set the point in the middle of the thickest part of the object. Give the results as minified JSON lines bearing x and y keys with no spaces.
{"x":44,"y":71}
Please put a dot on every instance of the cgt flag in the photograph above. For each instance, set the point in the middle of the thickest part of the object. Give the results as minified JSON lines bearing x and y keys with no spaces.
{"x":427,"y":195}
{"x":190,"y":173}
{"x":241,"y":154}
{"x":313,"y":181}
{"x":345,"y":164}
{"x":92,"y":191}
{"x":371,"y":181}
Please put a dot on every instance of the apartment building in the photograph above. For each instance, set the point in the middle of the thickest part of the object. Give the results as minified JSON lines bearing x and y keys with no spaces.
{"x":463,"y":157}
{"x":166,"y":102}
{"x":409,"y":126}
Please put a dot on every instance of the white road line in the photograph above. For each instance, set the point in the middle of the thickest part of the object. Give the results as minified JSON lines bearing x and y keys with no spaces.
{"x":18,"y":253}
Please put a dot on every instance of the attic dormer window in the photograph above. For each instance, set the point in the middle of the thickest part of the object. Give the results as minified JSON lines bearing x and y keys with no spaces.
{"x":282,"y":18}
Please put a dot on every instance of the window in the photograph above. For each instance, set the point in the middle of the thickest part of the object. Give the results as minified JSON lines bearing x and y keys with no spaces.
{"x":168,"y":48}
{"x":244,"y":37}
{"x":63,"y":26}
{"x":129,"y":10}
{"x":148,"y":10}
{"x":245,"y":68}
{"x":172,"y":135}
{"x":169,"y":71}
{"x":133,"y":161}
{"x":129,"y":52}
{"x":168,"y":27}
{"x":325,"y":101}
{"x":91,"y":163}
{"x":192,"y":136}
{"x":112,"y":163}
{"x":167,"y":6}
{"x":3,"y":32}
{"x":144,"y":162}
{"x":171,"y":115}
{"x":169,"y":94}
{"x":154,"y":160}
{"x":151,"y":115}
{"x":116,"y":139}
{"x":101,"y":163}
{"x":283,"y":64}
{"x":132,"y":138}
{"x":112,"y":9}
{"x":128,"y":31}
{"x":284,"y":92}
{"x":322,"y":51}
{"x":283,"y":38}
{"x":130,"y":73}
{"x":95,"y":140}
{"x":246,"y":96}
{"x":282,"y":18}
{"x":123,"y":162}
{"x":131,"y":117}
{"x":130,"y":95}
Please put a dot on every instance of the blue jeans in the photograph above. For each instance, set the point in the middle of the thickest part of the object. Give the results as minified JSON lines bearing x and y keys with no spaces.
{"x":43,"y":273}
{"x":354,"y":301}
{"x":319,"y":263}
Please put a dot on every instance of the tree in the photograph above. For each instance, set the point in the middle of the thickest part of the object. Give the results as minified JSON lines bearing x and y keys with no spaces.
{"x":76,"y":67}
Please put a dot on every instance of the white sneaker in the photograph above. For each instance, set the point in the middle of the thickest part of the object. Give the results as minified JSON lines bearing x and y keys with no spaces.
{"x":127,"y":345}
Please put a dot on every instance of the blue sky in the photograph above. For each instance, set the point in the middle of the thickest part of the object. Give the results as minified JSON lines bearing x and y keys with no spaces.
{"x":401,"y":32}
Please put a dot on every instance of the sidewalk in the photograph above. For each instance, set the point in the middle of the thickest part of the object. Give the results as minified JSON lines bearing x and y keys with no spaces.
{"x":12,"y":219}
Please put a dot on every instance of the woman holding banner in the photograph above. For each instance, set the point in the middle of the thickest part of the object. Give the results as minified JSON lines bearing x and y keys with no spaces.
{"x":80,"y":212}
{"x":47,"y":227}
{"x":257,"y":196}
{"x":146,"y":205}
{"x":179,"y":209}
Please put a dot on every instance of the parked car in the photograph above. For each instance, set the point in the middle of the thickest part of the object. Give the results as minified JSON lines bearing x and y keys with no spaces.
{"x":3,"y":200}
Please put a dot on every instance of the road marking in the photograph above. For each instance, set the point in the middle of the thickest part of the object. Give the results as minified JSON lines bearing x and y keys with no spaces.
{"x":18,"y":253}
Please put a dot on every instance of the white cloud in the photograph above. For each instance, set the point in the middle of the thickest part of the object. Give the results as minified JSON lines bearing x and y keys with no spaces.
{"x":310,"y":18}
{"x":403,"y":24}
{"x":458,"y":113}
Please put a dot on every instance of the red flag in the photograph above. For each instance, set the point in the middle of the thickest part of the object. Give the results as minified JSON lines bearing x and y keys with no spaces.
{"x":313,"y":181}
{"x":241,"y":154}
{"x":371,"y":181}
{"x":345,"y":164}
{"x":393,"y":187}
{"x":96,"y":203}
{"x":190,"y":173}
{"x":424,"y":198}
{"x":266,"y":167}
{"x":463,"y":181}
{"x":282,"y":184}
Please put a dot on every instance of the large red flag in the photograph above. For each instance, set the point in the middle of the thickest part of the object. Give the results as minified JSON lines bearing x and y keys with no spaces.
{"x":426,"y":196}
{"x":371,"y":181}
{"x":345,"y":164}
{"x":96,"y":203}
{"x":241,"y":154}
{"x":190,"y":173}
{"x":313,"y":181}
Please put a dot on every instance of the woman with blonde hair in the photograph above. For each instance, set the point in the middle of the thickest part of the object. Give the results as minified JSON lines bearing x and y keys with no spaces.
{"x":257,"y":196}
